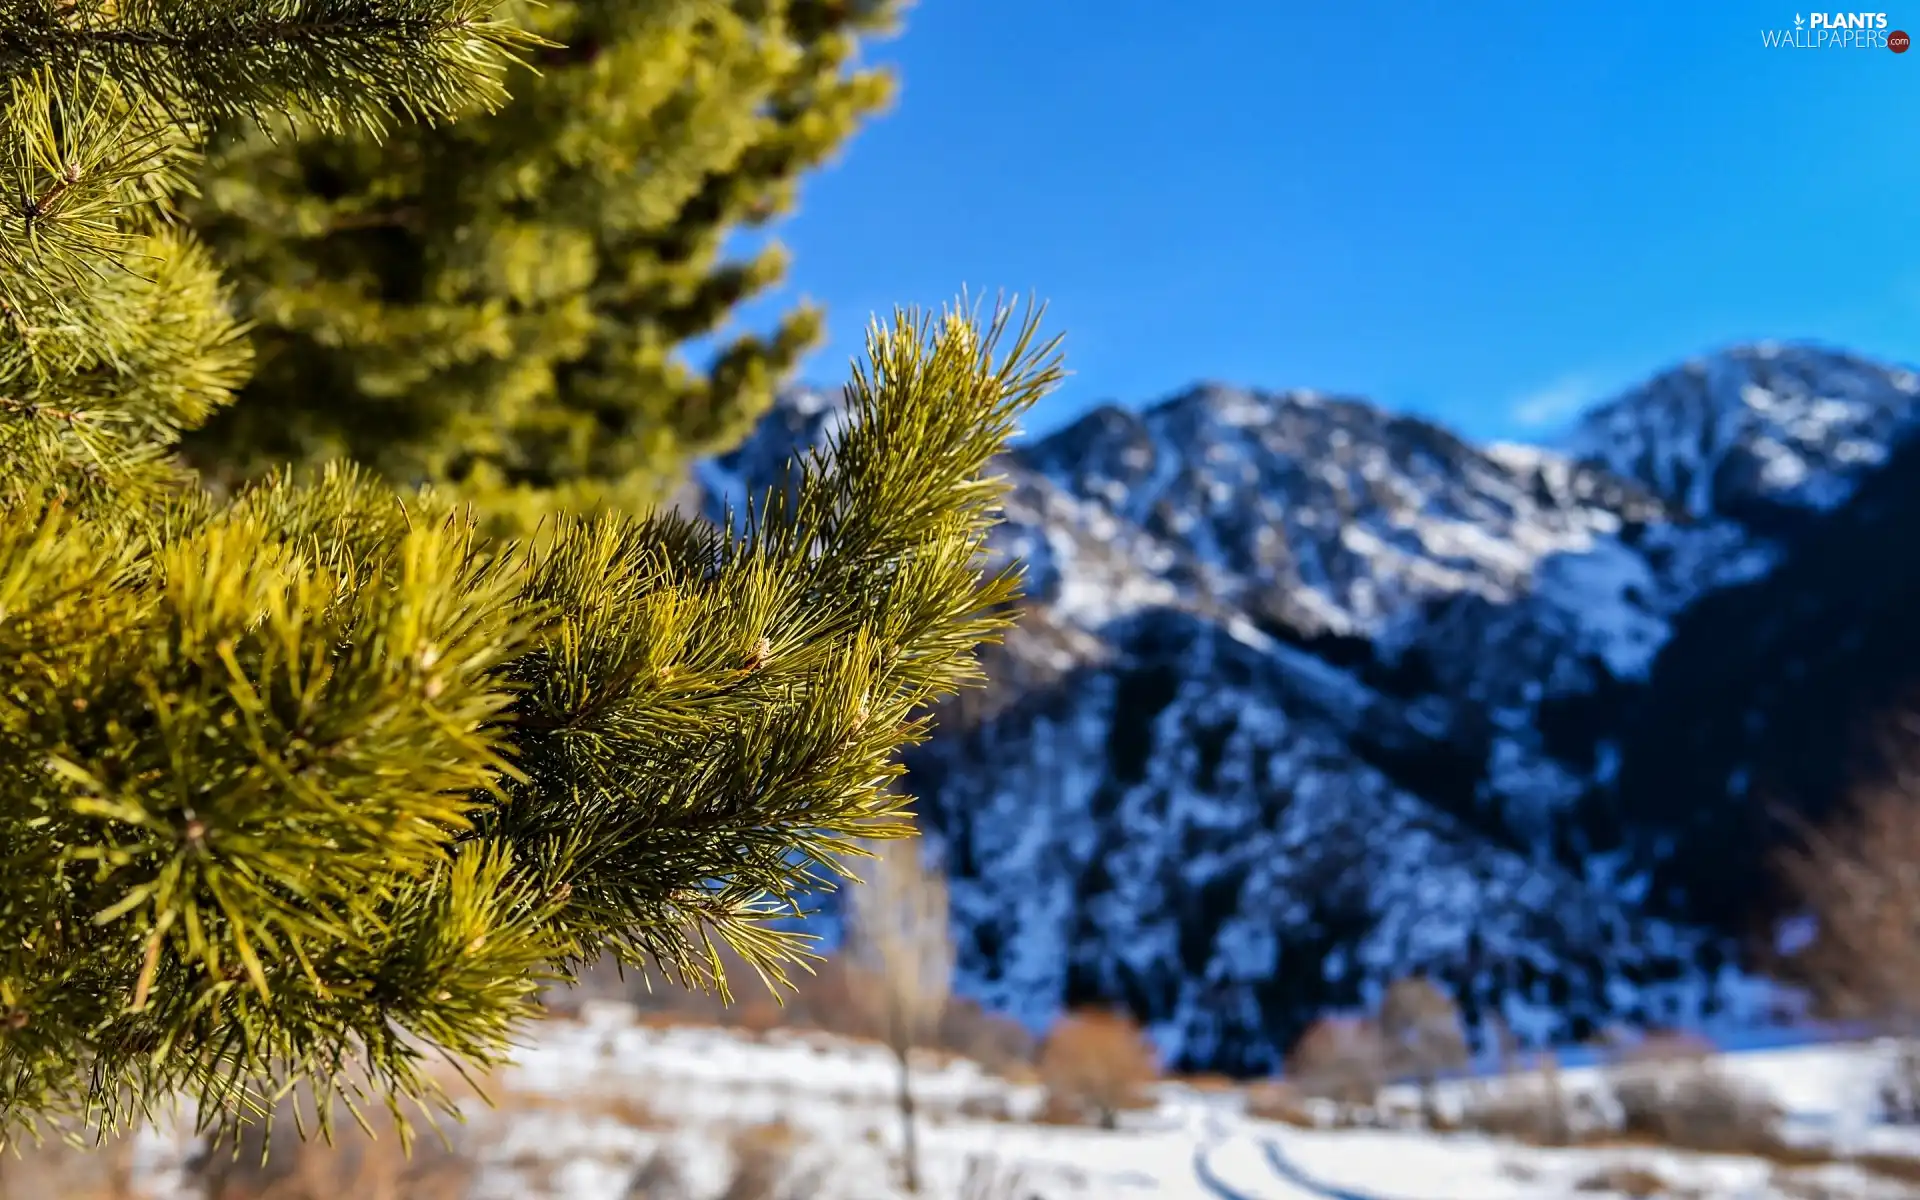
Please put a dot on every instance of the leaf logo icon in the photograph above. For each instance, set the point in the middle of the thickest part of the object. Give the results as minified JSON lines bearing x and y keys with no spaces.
{"x":1798,"y":21}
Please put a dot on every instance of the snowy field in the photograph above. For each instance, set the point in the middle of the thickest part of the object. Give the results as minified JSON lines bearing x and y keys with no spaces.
{"x":597,"y":1106}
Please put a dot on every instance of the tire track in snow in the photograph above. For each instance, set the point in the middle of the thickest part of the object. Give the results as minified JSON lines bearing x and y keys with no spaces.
{"x":1286,"y":1169}
{"x":1215,"y":1135}
{"x":1203,"y":1171}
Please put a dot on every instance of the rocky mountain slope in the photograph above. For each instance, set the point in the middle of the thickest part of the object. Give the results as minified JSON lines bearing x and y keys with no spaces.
{"x":1308,"y":696}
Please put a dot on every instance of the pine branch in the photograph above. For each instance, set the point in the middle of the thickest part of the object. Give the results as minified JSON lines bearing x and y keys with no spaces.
{"x":339,"y":63}
{"x":300,"y":786}
{"x":94,"y":391}
{"x":84,"y":168}
{"x":318,"y":779}
{"x":715,"y":717}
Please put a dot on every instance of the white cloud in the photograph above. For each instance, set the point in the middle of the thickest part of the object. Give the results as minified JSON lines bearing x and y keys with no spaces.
{"x":1552,"y":404}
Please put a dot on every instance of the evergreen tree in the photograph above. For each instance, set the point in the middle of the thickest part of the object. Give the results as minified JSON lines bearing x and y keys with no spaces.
{"x":301,"y":786}
{"x":498,"y":303}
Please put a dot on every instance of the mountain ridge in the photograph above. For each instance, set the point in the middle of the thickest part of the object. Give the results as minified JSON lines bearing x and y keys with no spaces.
{"x":1308,"y":695}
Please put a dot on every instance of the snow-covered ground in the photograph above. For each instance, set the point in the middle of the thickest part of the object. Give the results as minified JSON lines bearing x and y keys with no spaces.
{"x":590,"y":1102}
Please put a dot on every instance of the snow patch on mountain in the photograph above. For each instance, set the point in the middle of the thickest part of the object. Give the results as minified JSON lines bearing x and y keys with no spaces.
{"x":1753,"y":427}
{"x":1355,"y":515}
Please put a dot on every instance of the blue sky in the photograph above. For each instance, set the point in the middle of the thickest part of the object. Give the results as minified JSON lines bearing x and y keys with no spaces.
{"x":1486,"y":213}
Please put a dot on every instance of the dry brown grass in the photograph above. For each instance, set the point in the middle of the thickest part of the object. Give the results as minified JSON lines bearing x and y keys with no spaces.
{"x":825,"y":1001}
{"x":986,"y":1106}
{"x":1273,"y":1100}
{"x":1520,"y":1110}
{"x":1671,"y":1094}
{"x":357,"y":1166}
{"x":1627,"y":1180}
{"x":661,"y":1177}
{"x":1902,"y":1167}
{"x":615,"y":1104}
{"x":764,"y":1165}
{"x":275,"y":1162}
{"x":1532,"y":1107}
{"x":1790,"y":1186}
{"x":1693,"y":1109}
{"x":1671,"y":1090}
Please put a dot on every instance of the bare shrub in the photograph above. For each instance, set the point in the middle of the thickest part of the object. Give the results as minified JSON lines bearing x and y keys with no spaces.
{"x":899,"y":956}
{"x":1340,"y":1059}
{"x":1856,"y":880}
{"x":1527,"y":1106}
{"x":1098,"y":1065}
{"x":1671,"y":1089}
{"x":995,"y":1042}
{"x":1642,"y":1076}
{"x":1421,"y":1029}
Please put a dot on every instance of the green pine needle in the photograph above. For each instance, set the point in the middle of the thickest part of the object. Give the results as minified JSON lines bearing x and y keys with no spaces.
{"x":308,"y":784}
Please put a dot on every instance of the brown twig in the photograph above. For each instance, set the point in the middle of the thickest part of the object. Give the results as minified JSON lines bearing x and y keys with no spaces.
{"x":27,"y":409}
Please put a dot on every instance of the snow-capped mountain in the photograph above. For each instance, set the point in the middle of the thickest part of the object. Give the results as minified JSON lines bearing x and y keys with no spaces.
{"x":1308,"y":696}
{"x":1754,"y":430}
